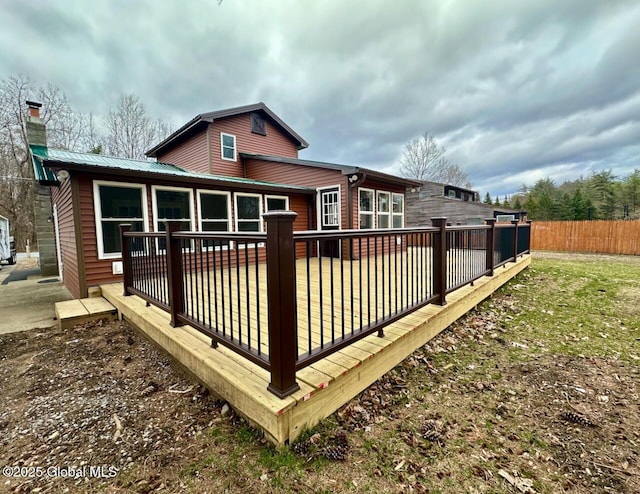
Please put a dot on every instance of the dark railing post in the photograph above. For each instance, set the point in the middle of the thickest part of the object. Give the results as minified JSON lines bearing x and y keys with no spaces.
{"x":281,"y":296}
{"x":127,"y":268}
{"x":491,"y":244}
{"x":174,"y":271}
{"x":529,"y":237}
{"x":515,"y":239}
{"x":440,"y":260}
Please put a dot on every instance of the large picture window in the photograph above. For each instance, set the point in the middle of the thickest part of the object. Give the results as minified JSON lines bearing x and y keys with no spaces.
{"x":397,"y":211}
{"x":248,"y":212}
{"x":117,"y":203}
{"x":214,"y":213}
{"x":276,"y":203}
{"x":365,"y":208}
{"x":384,"y":210}
{"x":171,"y":203}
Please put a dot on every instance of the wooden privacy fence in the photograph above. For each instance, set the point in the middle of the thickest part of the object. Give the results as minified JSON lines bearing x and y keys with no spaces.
{"x":270,"y":298}
{"x":602,"y":237}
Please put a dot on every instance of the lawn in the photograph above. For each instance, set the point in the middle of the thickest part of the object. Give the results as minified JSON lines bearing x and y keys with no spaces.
{"x":535,"y":391}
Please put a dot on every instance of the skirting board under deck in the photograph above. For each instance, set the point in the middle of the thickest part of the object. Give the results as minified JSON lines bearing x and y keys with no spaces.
{"x":326,"y":385}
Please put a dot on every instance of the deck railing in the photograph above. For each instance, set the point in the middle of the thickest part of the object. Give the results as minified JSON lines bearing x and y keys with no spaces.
{"x":286,"y":299}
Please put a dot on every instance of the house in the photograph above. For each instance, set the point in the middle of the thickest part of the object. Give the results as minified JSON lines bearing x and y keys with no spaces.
{"x":277,"y":320}
{"x":219,"y":172}
{"x":459,"y":205}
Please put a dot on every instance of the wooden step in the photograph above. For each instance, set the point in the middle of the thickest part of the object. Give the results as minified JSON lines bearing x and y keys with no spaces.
{"x":79,"y":311}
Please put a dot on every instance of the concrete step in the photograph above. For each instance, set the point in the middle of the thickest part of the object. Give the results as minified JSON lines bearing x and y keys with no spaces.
{"x":80,"y":311}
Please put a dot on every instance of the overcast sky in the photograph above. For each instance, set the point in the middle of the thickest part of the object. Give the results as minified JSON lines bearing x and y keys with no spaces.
{"x":515,"y":91}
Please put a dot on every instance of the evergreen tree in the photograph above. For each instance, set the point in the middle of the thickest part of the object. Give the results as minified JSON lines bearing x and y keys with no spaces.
{"x":487,"y":199}
{"x":578,"y":206}
{"x":497,"y":202}
{"x":631,"y":194}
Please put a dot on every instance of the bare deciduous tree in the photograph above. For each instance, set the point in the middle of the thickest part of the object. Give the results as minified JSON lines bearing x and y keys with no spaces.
{"x":424,"y":159}
{"x":130,"y":132}
{"x":66,"y":129}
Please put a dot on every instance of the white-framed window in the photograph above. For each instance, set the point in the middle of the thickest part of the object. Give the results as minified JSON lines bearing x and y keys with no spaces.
{"x":384,"y":209}
{"x":329,"y":209}
{"x":397,"y":210}
{"x":366,"y":201}
{"x":248,"y":208}
{"x":214,"y":215}
{"x":172,"y":203}
{"x":116,"y":203}
{"x":276,"y":203}
{"x":227,"y":146}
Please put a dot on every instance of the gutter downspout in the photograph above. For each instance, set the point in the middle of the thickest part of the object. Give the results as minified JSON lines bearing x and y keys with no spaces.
{"x":350,"y":187}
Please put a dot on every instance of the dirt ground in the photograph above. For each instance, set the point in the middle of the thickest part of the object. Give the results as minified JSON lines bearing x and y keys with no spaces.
{"x":478,"y":409}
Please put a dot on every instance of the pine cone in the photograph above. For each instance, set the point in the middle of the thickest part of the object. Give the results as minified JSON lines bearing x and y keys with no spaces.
{"x":302,"y":449}
{"x":335,"y":453}
{"x":429,"y":425}
{"x":577,"y":418}
{"x":433,"y":436}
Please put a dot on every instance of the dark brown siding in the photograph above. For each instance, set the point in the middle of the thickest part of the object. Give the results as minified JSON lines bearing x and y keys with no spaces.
{"x":61,"y":197}
{"x":307,"y":176}
{"x":190,"y":155}
{"x":100,"y":270}
{"x":275,"y":143}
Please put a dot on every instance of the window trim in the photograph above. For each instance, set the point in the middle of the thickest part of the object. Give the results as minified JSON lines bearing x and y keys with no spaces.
{"x":319,"y":204}
{"x":371,"y":213}
{"x":154,"y":203}
{"x":377,"y":210}
{"x":222,"y":147}
{"x":237,"y":220}
{"x":271,"y":196}
{"x":97,"y":210}
{"x":393,"y":214}
{"x":225,"y":193}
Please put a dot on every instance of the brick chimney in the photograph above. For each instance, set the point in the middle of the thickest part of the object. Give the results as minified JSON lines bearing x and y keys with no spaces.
{"x":37,"y":136}
{"x":36,"y":130}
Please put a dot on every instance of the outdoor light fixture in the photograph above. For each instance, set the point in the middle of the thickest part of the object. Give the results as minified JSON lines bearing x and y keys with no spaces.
{"x":353,"y":178}
{"x":62,"y":175}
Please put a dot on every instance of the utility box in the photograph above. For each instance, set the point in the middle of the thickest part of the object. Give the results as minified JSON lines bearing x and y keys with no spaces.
{"x":7,"y":245}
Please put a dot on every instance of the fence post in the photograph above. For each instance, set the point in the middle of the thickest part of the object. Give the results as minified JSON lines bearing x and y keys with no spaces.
{"x":440,"y":260}
{"x":491,"y":244}
{"x":174,"y":271}
{"x":515,"y":239}
{"x":281,"y":296}
{"x":127,"y":268}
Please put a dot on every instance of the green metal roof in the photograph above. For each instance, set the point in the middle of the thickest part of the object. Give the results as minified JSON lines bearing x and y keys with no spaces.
{"x":40,"y":172}
{"x":56,"y":158}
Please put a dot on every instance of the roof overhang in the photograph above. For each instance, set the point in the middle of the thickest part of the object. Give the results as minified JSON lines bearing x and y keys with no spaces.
{"x":344,"y":169}
{"x":48,"y":167}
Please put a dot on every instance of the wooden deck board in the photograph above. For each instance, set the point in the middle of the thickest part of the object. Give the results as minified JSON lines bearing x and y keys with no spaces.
{"x":326,"y":384}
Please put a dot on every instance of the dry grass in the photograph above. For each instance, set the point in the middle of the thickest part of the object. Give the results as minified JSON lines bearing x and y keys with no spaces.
{"x":536,"y":391}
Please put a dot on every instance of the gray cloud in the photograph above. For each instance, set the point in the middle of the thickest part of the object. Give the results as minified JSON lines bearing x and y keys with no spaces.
{"x":515,"y":90}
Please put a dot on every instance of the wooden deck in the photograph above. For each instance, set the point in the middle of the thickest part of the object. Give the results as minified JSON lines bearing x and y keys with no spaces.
{"x":325,"y":385}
